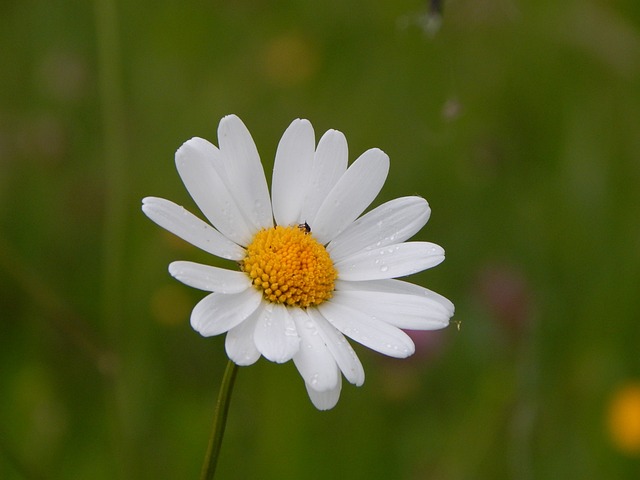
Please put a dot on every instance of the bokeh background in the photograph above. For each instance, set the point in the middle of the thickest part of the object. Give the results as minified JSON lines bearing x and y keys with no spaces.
{"x":519,"y":121}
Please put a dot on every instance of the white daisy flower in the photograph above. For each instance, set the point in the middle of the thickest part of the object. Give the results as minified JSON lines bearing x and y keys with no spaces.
{"x":310,"y":271}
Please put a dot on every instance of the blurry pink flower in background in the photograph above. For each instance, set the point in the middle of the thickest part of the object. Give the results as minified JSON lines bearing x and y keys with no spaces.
{"x":505,"y":293}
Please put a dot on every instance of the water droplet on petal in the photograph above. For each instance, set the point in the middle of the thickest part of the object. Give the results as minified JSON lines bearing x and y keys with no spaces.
{"x":290,"y":332}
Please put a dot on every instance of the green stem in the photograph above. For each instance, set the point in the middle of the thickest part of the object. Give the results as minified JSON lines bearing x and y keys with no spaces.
{"x":113,"y":293}
{"x":219,"y":422}
{"x":115,"y":158}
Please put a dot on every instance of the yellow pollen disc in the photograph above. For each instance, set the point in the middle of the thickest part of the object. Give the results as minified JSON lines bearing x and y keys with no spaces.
{"x":290,"y":267}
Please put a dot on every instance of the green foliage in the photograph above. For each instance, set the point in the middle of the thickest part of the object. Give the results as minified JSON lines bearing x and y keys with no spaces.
{"x":518,"y":121}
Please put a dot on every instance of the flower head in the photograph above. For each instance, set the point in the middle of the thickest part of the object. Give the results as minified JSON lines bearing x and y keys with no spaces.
{"x":311,"y":269}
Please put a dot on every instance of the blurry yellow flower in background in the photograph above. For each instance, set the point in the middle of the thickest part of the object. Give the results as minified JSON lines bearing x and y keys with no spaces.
{"x":623,"y":419}
{"x":170,"y":305}
{"x":289,"y":59}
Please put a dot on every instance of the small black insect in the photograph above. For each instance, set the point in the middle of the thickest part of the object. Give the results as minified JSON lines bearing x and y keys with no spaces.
{"x":305,"y":227}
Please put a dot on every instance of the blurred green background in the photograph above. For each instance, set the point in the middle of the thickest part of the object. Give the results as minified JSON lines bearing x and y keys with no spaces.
{"x":519,"y":121}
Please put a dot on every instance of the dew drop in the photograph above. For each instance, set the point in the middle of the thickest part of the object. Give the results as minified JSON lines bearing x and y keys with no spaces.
{"x":290,"y":332}
{"x":384,"y":268}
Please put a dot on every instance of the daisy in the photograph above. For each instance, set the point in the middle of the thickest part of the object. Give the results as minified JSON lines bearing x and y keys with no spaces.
{"x":311,"y":269}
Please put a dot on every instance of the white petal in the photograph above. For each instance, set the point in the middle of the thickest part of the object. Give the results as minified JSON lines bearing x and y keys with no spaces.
{"x":326,"y":399}
{"x":390,"y":223}
{"x":218,"y":312}
{"x":190,"y":228}
{"x":244,"y":172}
{"x":275,"y":334}
{"x":355,"y":190}
{"x":345,"y":357}
{"x":315,"y":363}
{"x":239,"y":343}
{"x":390,"y":262}
{"x":211,"y":279}
{"x":291,"y":171}
{"x":414,"y":312}
{"x":196,"y":162}
{"x":329,"y":164}
{"x":398,"y":286}
{"x":366,"y":328}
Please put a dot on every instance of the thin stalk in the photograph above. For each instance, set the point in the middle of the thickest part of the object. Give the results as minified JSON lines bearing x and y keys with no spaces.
{"x":114,"y":145}
{"x":219,"y":422}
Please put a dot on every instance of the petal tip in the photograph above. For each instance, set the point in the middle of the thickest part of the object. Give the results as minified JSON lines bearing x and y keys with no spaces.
{"x":381,"y":154}
{"x":324,"y":400}
{"x":229,"y":121}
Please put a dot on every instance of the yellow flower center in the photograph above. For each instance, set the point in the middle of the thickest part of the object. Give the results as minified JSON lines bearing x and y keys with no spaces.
{"x":290,"y":266}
